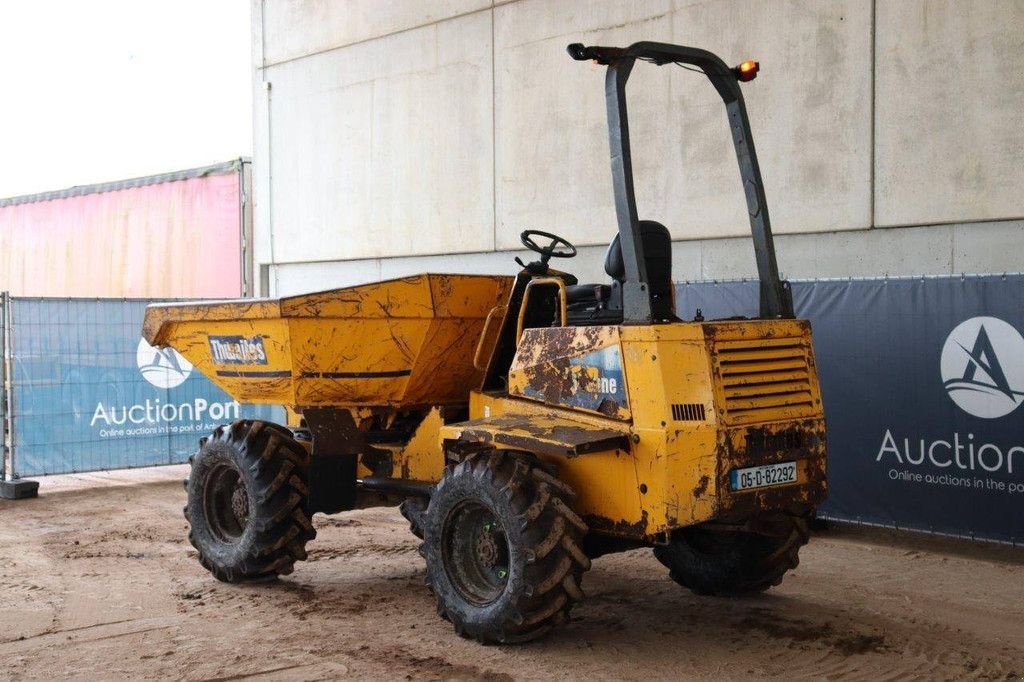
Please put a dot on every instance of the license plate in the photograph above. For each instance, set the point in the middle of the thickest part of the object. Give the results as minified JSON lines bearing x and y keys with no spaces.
{"x":763,"y":476}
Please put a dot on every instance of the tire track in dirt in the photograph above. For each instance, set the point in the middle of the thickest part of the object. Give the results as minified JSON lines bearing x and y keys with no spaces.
{"x":853,"y":610}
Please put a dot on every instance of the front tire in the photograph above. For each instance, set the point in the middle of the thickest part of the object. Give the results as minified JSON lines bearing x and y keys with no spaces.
{"x":247,"y":502}
{"x":413,"y":509}
{"x":503,"y":548}
{"x":732,"y":563}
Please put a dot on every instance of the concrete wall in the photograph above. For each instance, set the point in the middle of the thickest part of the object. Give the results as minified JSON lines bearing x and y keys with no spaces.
{"x":398,"y":136}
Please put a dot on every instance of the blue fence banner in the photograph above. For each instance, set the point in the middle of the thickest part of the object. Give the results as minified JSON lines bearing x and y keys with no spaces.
{"x":922,"y":381}
{"x":90,"y":394}
{"x":922,"y":378}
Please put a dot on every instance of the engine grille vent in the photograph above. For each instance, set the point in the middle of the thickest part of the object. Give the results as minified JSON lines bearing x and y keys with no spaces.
{"x":688,"y":412}
{"x":765,"y":379}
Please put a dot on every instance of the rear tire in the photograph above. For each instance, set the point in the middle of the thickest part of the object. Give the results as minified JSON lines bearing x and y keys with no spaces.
{"x":247,"y":502}
{"x":503,"y":548}
{"x":734,"y":563}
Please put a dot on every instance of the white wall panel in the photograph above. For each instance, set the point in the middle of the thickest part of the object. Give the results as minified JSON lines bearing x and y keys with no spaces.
{"x":551,"y":136}
{"x":296,"y":28}
{"x":397,"y":134}
{"x":949,"y":111}
{"x":810,"y":111}
{"x":384,"y":148}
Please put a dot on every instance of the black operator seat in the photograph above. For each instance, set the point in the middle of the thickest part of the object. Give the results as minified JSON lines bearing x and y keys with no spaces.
{"x":591,"y":302}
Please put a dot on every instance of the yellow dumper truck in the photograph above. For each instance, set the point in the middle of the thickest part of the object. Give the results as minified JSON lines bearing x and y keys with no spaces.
{"x":525,"y":424}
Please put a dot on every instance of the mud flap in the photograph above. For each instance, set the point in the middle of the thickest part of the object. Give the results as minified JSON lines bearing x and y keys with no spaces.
{"x":332,"y":471}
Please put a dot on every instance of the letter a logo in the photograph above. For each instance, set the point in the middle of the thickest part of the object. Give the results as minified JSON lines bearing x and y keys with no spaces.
{"x":983,"y":367}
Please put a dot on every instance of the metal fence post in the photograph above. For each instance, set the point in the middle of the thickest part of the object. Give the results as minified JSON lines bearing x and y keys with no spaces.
{"x":246,"y":233}
{"x":11,"y":487}
{"x":3,"y":387}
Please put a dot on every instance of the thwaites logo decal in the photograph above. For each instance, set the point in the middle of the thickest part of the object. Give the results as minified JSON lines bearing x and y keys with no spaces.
{"x":605,"y":378}
{"x":592,"y":382}
{"x":238,"y":350}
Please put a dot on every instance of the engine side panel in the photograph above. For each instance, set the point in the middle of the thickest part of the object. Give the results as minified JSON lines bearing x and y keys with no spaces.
{"x":700,"y":400}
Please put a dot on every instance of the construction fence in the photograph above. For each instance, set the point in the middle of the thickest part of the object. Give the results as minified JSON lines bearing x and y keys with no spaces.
{"x":922,"y":380}
{"x":84,"y":392}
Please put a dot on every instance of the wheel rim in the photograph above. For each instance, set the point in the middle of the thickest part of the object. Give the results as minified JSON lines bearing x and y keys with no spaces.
{"x":476,"y":553}
{"x":226,"y":503}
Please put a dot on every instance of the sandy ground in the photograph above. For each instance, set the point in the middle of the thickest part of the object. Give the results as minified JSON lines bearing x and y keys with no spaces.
{"x":97,"y":581}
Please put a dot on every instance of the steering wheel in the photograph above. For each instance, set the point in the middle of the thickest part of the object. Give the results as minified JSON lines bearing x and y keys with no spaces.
{"x":558,"y":248}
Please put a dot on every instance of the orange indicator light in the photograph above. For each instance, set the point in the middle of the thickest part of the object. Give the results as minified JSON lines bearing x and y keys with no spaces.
{"x":747,"y":71}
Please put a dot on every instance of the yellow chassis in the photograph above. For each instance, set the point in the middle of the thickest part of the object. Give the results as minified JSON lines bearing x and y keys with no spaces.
{"x":645,"y":422}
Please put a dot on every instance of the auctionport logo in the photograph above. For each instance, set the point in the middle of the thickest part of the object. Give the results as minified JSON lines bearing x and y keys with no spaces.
{"x":162,"y":367}
{"x":983,"y":367}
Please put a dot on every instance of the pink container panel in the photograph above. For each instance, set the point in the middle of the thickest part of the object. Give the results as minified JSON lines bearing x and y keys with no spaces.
{"x":172,"y":239}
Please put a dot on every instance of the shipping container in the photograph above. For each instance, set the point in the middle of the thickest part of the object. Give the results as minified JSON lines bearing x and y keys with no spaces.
{"x":176,"y":235}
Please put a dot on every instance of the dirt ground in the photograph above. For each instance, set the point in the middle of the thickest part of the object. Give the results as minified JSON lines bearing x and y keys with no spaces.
{"x":98,"y":581}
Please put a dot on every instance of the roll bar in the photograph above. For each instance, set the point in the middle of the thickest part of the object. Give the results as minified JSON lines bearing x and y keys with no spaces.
{"x":776,"y":297}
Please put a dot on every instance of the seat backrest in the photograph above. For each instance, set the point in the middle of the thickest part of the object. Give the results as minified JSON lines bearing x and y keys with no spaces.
{"x":656,"y":242}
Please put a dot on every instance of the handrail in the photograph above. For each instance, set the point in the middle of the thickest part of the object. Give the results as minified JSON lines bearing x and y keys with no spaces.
{"x":542,"y":281}
{"x":483,"y":334}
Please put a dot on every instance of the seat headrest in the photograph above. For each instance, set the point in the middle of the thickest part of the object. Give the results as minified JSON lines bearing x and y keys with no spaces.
{"x":654,"y":237}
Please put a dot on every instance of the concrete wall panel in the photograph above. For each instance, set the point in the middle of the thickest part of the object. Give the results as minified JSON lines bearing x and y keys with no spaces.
{"x":950,"y":93}
{"x":299,"y":278}
{"x":551,"y":139}
{"x":396,"y":130}
{"x":384,"y":148}
{"x":810,"y":113}
{"x":260,"y":144}
{"x":262,"y":233}
{"x":868,"y":253}
{"x":932,"y":250}
{"x":988,"y":247}
{"x":296,"y":278}
{"x":296,"y":28}
{"x":863,"y":253}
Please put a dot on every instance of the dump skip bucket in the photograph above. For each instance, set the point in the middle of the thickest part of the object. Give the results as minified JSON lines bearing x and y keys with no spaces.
{"x":402,"y":342}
